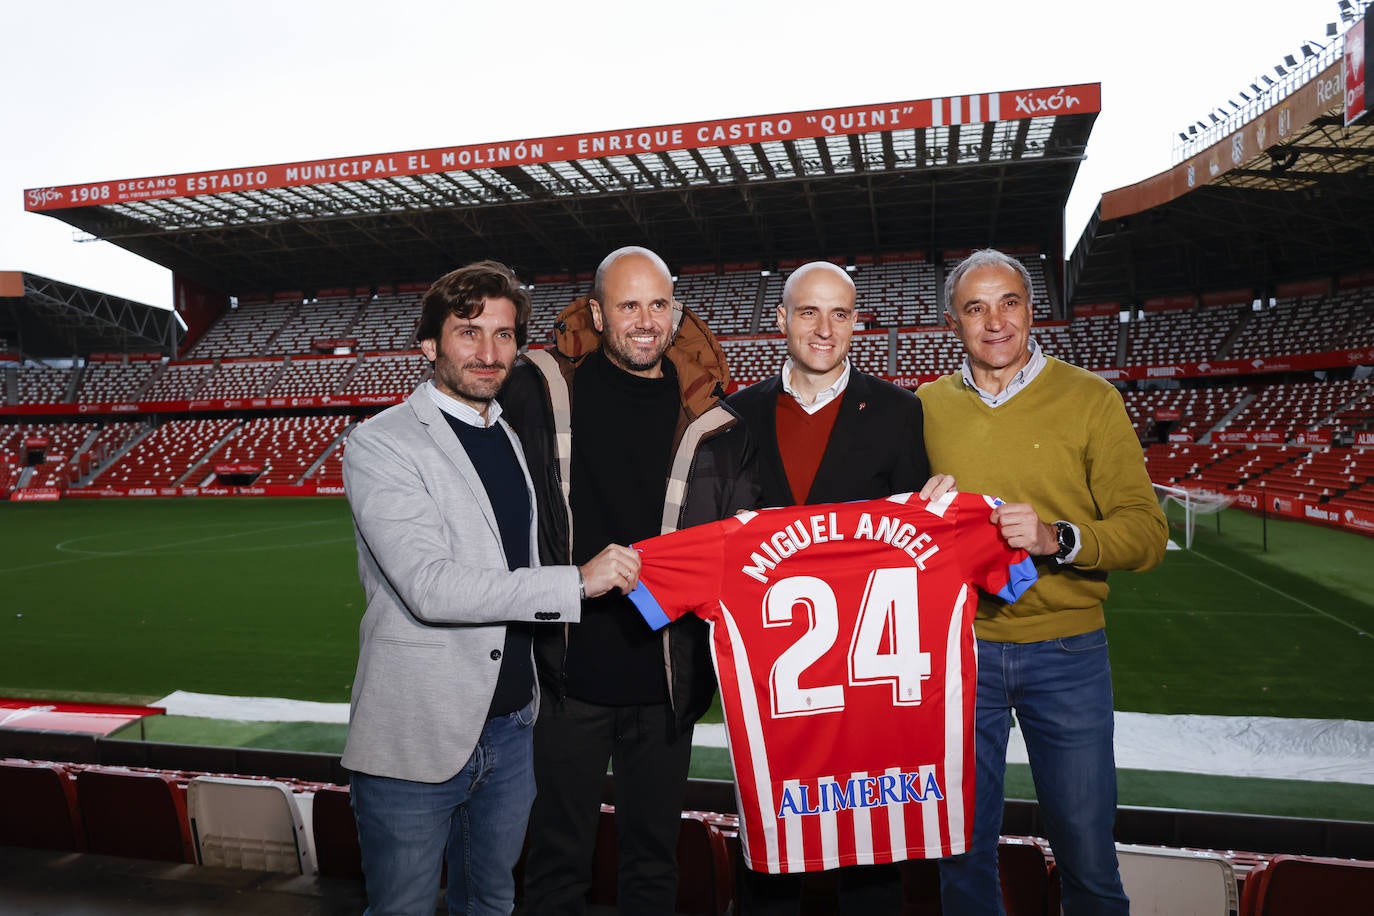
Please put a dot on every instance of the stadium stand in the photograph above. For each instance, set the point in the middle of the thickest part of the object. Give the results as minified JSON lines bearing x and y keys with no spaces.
{"x":1194,"y":336}
{"x":548,"y":296}
{"x":727,"y":300}
{"x":245,"y":330}
{"x":1198,"y":411}
{"x":869,"y":352}
{"x":40,"y":384}
{"x":180,"y":381}
{"x":244,"y":379}
{"x":284,"y":447}
{"x":326,"y":318}
{"x":1289,"y":408}
{"x":753,"y":359}
{"x":304,"y":376}
{"x":393,"y":374}
{"x":163,"y":457}
{"x":1308,"y":325}
{"x":1087,"y":342}
{"x":898,"y":291}
{"x":330,"y":469}
{"x":928,"y":353}
{"x":388,"y":322}
{"x":106,"y":381}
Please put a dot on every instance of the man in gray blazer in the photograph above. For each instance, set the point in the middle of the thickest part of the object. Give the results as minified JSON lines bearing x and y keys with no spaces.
{"x":444,"y":513}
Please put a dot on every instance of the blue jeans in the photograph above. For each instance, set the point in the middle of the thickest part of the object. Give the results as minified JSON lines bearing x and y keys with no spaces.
{"x":480,"y":814}
{"x":1061,"y":690}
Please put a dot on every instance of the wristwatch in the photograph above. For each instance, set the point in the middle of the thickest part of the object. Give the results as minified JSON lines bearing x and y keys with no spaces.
{"x":1064,"y":533}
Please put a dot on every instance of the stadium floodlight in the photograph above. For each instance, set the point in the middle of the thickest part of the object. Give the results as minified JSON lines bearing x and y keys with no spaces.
{"x":1331,"y":30}
{"x":1243,"y":95}
{"x":1267,"y":81}
{"x":1182,"y":136}
{"x":1307,"y":51}
{"x":1290,"y":60}
{"x":1213,"y":116}
{"x":1278,"y":68}
{"x":1254,"y":87}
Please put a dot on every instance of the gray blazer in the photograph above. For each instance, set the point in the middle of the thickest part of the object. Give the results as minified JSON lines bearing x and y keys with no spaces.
{"x":438,"y":594}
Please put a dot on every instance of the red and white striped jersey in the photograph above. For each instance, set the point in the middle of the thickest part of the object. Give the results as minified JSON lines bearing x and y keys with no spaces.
{"x":843,"y":642}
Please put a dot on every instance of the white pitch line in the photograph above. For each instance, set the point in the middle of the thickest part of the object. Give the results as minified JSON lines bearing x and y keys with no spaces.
{"x":1296,"y":600}
{"x":145,"y":549}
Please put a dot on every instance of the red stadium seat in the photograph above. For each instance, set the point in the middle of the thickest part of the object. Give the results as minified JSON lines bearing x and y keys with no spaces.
{"x":336,"y":834}
{"x":1307,"y":885}
{"x":38,"y":806}
{"x":1024,"y":869}
{"x":706,"y":882}
{"x":136,"y":814}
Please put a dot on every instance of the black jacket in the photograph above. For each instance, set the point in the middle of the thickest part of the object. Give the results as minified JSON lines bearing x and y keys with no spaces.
{"x":713,"y":466}
{"x":877,"y":447}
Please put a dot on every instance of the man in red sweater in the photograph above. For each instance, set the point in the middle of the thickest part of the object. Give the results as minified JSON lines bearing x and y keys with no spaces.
{"x":826,"y":432}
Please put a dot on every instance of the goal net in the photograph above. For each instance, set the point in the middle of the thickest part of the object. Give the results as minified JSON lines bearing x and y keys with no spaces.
{"x":1191,"y":504}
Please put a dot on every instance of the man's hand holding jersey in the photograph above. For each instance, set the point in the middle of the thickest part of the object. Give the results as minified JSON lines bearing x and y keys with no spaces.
{"x":613,"y":567}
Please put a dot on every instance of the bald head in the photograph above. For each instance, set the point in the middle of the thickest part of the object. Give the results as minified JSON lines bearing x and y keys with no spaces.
{"x":629,"y":251}
{"x":817,"y":315}
{"x":632,"y":307}
{"x":816,"y":275}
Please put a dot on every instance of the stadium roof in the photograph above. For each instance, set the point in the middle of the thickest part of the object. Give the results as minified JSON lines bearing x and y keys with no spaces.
{"x":1285,"y":192}
{"x":46,"y":318}
{"x":960,"y":171}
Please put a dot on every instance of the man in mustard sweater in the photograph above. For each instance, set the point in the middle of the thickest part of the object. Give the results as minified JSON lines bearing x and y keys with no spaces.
{"x":1054,"y":442}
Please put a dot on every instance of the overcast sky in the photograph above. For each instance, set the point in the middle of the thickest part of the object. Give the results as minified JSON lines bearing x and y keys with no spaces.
{"x":92,"y":90}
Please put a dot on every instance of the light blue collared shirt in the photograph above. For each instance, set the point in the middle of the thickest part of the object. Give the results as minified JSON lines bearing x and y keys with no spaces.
{"x":824,"y":396}
{"x":464,"y":412}
{"x":1019,"y":381}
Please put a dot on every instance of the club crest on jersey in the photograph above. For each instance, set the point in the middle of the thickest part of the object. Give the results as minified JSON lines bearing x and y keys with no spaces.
{"x":828,"y":795}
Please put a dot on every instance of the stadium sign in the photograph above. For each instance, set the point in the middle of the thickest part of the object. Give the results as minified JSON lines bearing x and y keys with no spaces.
{"x":1355,"y":70}
{"x":800,"y":125}
{"x":36,"y":494}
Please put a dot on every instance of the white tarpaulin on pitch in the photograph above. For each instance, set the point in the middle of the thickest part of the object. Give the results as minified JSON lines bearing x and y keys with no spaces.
{"x":1323,"y":750}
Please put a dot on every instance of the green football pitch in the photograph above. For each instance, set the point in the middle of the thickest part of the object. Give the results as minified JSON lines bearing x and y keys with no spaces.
{"x":130,"y":600}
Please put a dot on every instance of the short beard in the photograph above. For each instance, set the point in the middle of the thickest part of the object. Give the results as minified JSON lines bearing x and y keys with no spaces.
{"x":628,"y":360}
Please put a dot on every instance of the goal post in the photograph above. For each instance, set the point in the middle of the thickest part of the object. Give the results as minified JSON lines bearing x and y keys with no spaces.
{"x":1194,"y":503}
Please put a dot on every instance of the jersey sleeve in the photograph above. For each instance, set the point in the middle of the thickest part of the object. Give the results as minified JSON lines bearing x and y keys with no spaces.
{"x":680,"y":572}
{"x":993,"y":566}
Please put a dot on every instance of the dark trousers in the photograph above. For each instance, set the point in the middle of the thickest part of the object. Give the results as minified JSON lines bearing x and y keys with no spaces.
{"x":862,"y":890}
{"x":572,"y":743}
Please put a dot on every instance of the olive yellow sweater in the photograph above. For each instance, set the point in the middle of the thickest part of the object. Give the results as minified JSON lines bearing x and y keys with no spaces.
{"x":1065,"y":445}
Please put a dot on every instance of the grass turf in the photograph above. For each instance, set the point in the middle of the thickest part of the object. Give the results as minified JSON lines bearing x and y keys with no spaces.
{"x":129,"y":600}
